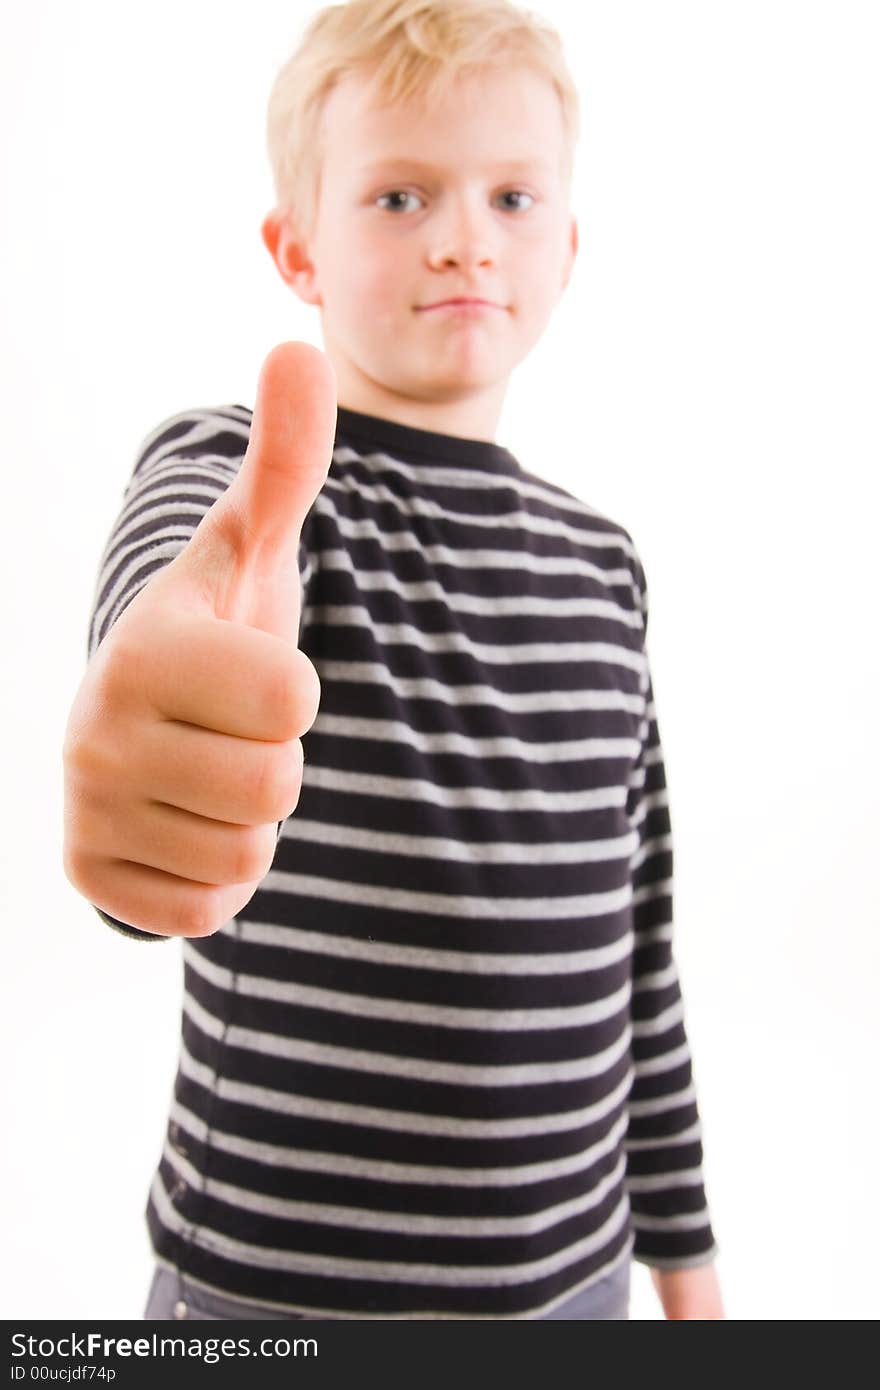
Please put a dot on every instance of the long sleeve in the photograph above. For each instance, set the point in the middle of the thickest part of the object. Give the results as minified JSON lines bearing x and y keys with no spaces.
{"x":180,"y":470}
{"x":663,"y":1144}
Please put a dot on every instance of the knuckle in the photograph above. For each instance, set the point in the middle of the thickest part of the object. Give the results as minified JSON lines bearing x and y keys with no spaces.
{"x":197,"y":915}
{"x":121,"y":667}
{"x":280,"y":698}
{"x":306,"y":685}
{"x":76,"y":867}
{"x":313,"y":695}
{"x":267,"y":785}
{"x":250,"y":859}
{"x":85,"y":759}
{"x":292,"y":779}
{"x":280,"y":780}
{"x":295,"y":696}
{"x":72,"y":759}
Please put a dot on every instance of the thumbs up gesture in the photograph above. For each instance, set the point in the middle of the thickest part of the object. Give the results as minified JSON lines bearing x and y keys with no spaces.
{"x":183,"y":745}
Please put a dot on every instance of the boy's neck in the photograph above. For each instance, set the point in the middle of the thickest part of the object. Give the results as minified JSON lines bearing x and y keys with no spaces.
{"x":475,"y":417}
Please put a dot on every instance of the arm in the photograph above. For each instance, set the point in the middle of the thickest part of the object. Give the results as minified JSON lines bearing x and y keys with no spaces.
{"x":689,"y":1293}
{"x":673,"y":1233}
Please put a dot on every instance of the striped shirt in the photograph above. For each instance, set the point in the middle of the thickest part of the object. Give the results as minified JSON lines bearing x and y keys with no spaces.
{"x":437,"y":1066}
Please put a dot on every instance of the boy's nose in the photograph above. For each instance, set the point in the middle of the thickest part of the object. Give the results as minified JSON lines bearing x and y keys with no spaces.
{"x":465,"y":250}
{"x":464,"y":237}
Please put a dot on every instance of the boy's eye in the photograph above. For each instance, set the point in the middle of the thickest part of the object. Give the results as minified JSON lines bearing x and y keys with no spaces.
{"x":404,"y":193}
{"x":395,"y":193}
{"x":517,"y":193}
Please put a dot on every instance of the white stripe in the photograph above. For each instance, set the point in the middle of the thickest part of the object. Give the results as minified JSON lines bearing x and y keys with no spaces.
{"x":651,"y":1027}
{"x":536,"y":909}
{"x":397,"y":732}
{"x":385,"y":1170}
{"x":278,"y":935}
{"x":454,"y":1276}
{"x":529,"y":702}
{"x":443,"y":475}
{"x":402,"y":1222}
{"x":429,"y":1070}
{"x":661,"y":1182}
{"x":685,"y":1221}
{"x":402,"y":1121}
{"x":516,"y":520}
{"x":658,"y":1105}
{"x":470,"y":797}
{"x":454,"y":640}
{"x":435,"y":1015}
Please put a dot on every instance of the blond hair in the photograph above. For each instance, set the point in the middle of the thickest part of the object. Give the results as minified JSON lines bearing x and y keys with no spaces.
{"x":407,"y":47}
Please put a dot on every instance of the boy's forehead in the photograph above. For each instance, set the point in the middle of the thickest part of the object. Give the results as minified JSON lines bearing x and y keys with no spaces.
{"x":377,"y":134}
{"x":537,"y":161}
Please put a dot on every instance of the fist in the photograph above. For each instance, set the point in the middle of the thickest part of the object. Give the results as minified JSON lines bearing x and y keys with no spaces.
{"x":183,"y":746}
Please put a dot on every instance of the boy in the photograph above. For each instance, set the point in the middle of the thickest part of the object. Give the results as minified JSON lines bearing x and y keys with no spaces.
{"x":433,"y":1060}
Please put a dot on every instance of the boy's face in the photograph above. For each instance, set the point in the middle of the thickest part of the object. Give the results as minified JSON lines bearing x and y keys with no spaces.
{"x":422,"y":205}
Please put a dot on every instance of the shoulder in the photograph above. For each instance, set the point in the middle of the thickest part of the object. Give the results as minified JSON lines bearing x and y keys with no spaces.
{"x":610,"y":541}
{"x":200,"y":431}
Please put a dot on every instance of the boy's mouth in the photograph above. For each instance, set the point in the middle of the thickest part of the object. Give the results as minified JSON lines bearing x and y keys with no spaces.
{"x":461,"y":303}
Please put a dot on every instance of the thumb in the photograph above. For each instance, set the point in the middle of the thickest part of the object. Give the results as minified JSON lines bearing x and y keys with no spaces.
{"x":243,"y":556}
{"x":288,"y":455}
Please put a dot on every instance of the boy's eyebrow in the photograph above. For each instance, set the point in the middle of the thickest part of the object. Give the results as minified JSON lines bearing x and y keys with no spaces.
{"x":401,"y":161}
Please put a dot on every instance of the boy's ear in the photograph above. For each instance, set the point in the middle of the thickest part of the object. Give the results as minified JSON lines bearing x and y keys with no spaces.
{"x":290,"y":256}
{"x":572,"y":253}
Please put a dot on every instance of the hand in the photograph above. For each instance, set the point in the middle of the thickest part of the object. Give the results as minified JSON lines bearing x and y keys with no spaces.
{"x":689,"y":1293}
{"x":182,"y":749}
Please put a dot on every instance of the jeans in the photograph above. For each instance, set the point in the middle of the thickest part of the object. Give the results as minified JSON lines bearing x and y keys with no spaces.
{"x":172,"y":1295}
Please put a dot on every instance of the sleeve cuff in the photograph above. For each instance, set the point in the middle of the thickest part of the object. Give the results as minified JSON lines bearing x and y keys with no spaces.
{"x":678,"y":1261}
{"x":125,"y":930}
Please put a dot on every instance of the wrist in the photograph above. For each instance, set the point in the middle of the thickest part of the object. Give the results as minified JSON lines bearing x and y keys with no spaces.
{"x":691,"y":1293}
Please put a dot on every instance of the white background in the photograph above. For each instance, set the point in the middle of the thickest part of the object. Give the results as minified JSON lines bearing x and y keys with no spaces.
{"x":710,"y":380}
